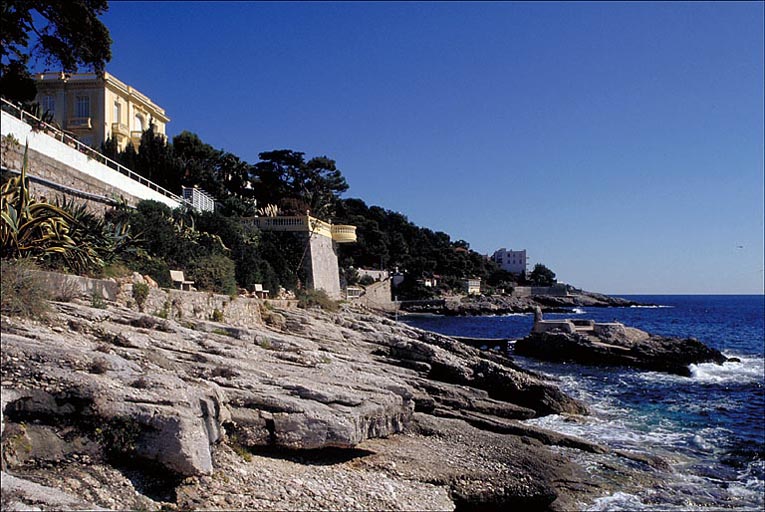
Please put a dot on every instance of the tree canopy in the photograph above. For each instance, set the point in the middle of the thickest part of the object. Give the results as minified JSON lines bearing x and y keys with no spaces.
{"x":65,"y":33}
{"x":542,"y":276}
{"x":284,"y":178}
{"x":387,"y":239}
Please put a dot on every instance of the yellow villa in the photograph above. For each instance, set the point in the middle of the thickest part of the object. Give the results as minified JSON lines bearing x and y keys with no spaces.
{"x":95,"y":106}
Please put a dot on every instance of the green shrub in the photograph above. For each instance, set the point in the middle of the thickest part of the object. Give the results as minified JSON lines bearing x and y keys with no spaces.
{"x":36,"y":228}
{"x":140,"y":294}
{"x":366,"y":280}
{"x":155,"y":268}
{"x":214,"y":273}
{"x":239,"y":449}
{"x":217,"y":315}
{"x":118,"y":436}
{"x":164,"y":313}
{"x":97,"y":300}
{"x":281,"y":254}
{"x":115,"y":270}
{"x":100,"y":242}
{"x":22,"y":291}
{"x":311,"y":298}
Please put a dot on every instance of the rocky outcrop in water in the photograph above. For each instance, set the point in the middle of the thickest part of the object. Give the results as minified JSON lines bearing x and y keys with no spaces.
{"x":502,"y":304}
{"x":116,"y":409}
{"x":617,"y":345}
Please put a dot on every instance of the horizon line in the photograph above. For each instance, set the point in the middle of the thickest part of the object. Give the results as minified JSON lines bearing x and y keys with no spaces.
{"x":689,"y":293}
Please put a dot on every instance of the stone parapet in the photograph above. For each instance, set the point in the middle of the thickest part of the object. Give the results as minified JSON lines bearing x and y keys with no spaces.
{"x":52,"y":180}
{"x":161,"y":302}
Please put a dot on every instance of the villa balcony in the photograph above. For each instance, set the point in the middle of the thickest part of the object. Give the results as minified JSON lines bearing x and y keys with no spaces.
{"x":343,"y":233}
{"x":293,"y":223}
{"x":79,"y":123}
{"x":135,"y":137}
{"x":120,"y":130}
{"x":306,"y":224}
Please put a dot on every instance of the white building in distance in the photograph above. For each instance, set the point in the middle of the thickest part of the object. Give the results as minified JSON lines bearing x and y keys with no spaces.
{"x":512,"y":261}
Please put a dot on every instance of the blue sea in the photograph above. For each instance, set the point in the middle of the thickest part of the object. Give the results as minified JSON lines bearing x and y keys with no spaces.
{"x":710,"y":427}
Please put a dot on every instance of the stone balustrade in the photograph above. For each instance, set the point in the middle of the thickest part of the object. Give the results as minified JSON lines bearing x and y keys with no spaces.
{"x":306,"y":224}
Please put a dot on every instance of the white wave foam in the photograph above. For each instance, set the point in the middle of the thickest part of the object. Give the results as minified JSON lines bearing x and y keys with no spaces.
{"x":749,"y":370}
{"x":578,"y":311}
{"x":659,"y":306}
{"x":617,"y":501}
{"x":683,"y":492}
{"x":749,"y":485}
{"x":614,"y":432}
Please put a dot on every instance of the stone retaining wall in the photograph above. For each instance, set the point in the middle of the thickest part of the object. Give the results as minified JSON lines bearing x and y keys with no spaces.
{"x":378,"y":296}
{"x":162,"y":302}
{"x":556,"y":290}
{"x":282,"y":303}
{"x":45,"y":168}
{"x":56,"y":161}
{"x":68,"y":286}
{"x":180,"y":305}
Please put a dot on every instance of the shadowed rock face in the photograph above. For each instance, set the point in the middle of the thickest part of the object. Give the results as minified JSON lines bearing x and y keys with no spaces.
{"x":91,"y":390}
{"x":619,"y":346}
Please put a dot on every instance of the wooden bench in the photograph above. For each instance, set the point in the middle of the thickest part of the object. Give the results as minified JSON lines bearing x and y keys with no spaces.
{"x":176,"y":276}
{"x":260,"y":292}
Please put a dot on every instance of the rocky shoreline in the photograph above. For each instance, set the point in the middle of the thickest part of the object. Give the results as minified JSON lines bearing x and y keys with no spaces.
{"x":503,"y":305}
{"x":304,"y":409}
{"x":615,"y":344}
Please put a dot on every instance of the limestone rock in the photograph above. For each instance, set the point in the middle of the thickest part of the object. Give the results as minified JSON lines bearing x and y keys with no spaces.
{"x":20,"y":494}
{"x":116,"y":385}
{"x":502,"y":304}
{"x":617,"y":345}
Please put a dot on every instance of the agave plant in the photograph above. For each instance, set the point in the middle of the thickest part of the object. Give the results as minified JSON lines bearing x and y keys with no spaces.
{"x":99,"y":240}
{"x":29,"y":227}
{"x":43,"y":230}
{"x":45,"y":117}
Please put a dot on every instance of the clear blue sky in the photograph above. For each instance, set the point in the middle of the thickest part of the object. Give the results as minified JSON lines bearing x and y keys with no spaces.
{"x":621,"y":144}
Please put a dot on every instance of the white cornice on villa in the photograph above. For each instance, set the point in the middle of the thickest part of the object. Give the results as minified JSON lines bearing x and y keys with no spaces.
{"x":114,"y":84}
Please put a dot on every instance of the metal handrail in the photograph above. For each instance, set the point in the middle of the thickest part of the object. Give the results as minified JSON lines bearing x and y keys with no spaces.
{"x":58,"y":134}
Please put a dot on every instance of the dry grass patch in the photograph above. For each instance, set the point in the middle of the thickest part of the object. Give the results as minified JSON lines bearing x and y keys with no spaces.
{"x":23,"y":291}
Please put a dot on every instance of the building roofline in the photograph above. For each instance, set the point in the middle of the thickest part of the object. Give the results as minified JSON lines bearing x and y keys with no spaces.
{"x":113,"y":83}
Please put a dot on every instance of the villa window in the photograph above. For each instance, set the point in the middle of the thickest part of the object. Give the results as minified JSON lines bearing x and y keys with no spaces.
{"x":138,"y":123}
{"x":82,"y":106}
{"x":117,"y":112}
{"x":49,"y":104}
